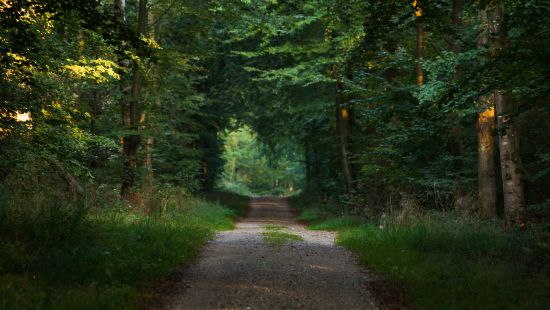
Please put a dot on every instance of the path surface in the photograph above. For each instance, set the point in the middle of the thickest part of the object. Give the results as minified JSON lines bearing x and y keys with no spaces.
{"x":238,"y":270}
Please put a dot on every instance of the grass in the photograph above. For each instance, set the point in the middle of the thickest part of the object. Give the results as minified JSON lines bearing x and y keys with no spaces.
{"x":447,"y":261}
{"x":106,"y":261}
{"x":276,"y":235}
{"x":236,"y":202}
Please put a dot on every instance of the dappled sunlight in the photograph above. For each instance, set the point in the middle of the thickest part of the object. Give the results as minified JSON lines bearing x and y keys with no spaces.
{"x":418,"y":12}
{"x":23,"y":117}
{"x":487,"y":114}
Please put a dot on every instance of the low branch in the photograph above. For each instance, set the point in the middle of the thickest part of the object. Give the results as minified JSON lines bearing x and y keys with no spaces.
{"x":73,"y":183}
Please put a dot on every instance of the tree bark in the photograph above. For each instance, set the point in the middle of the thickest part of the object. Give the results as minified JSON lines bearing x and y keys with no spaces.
{"x":72,"y":182}
{"x":508,"y":132}
{"x":487,"y":185}
{"x":486,"y":170}
{"x":510,"y":160}
{"x":456,"y":20}
{"x":343,"y":126}
{"x":131,"y":142}
{"x":307,"y":158}
{"x":455,"y":130}
{"x":120,"y":7}
{"x":148,"y":163}
{"x":420,"y":47}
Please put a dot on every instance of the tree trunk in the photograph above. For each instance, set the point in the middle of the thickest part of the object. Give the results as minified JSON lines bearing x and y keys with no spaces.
{"x":486,"y":170}
{"x":120,"y":19}
{"x":510,"y":160}
{"x":148,"y":163}
{"x":343,"y":126}
{"x":72,"y":182}
{"x":461,"y":196}
{"x":131,"y":142}
{"x":456,"y":20}
{"x":486,"y":161}
{"x":420,"y":32}
{"x":508,"y":132}
{"x":120,"y":7}
{"x":307,"y":158}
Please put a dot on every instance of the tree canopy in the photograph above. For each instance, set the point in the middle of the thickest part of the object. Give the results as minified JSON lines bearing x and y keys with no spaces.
{"x":380,"y":99}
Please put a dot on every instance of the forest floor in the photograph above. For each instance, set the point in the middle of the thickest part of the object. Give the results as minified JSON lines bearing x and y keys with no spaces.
{"x":271,"y":262}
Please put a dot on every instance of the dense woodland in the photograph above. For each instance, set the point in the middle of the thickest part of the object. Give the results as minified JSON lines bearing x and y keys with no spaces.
{"x":110,"y":108}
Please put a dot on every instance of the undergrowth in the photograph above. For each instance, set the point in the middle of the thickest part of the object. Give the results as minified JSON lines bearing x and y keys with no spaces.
{"x":234,"y":201}
{"x":447,"y":260}
{"x":75,"y":255}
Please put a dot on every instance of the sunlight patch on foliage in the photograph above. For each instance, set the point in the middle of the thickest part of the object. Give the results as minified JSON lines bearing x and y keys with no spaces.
{"x":98,"y":70}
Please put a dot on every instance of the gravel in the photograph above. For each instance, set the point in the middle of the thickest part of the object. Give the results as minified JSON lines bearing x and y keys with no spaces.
{"x":238,"y":270}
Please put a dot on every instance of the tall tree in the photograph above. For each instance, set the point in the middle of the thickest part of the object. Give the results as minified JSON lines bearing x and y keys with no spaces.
{"x":420,"y":45}
{"x":487,"y":184}
{"x":148,"y":162}
{"x":343,"y":128}
{"x":132,"y":116}
{"x":508,"y":131}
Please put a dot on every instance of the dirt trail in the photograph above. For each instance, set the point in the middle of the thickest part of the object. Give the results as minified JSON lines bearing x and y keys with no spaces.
{"x":239,"y":270}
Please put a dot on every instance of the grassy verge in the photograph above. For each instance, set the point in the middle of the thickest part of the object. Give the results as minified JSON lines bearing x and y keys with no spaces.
{"x":105,"y":262}
{"x":445,"y":261}
{"x":236,"y":202}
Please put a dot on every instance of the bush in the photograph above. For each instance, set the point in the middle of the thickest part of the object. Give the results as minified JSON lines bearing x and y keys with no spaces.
{"x":37,"y":210}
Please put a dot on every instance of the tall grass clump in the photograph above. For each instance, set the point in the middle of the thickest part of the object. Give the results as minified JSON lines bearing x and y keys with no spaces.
{"x":59,"y":250}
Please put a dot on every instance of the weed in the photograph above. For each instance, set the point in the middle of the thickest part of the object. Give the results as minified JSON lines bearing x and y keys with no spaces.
{"x":276,"y":235}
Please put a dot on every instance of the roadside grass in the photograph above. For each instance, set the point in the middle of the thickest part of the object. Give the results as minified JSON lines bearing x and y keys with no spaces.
{"x":448,"y":261}
{"x":334,"y":224}
{"x":236,"y":202}
{"x":277,"y":235}
{"x":105,"y":261}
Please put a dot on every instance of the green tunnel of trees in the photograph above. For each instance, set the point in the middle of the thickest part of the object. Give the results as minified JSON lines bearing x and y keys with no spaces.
{"x":440,"y":104}
{"x":417,"y":129}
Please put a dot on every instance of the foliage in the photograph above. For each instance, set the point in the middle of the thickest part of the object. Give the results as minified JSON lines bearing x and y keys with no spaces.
{"x":105,"y":261}
{"x":249,"y":96}
{"x":253,"y":169}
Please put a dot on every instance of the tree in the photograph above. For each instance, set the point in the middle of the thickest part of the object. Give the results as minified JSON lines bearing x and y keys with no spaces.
{"x":508,"y":133}
{"x":132,"y":112}
{"x":420,"y":45}
{"x":486,"y":159}
{"x":487,"y":186}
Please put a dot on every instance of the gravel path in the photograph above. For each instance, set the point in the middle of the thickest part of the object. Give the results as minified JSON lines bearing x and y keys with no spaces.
{"x":238,"y":270}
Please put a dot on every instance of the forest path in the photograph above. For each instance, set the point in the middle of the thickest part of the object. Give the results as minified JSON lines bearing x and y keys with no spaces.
{"x":242,"y":269}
